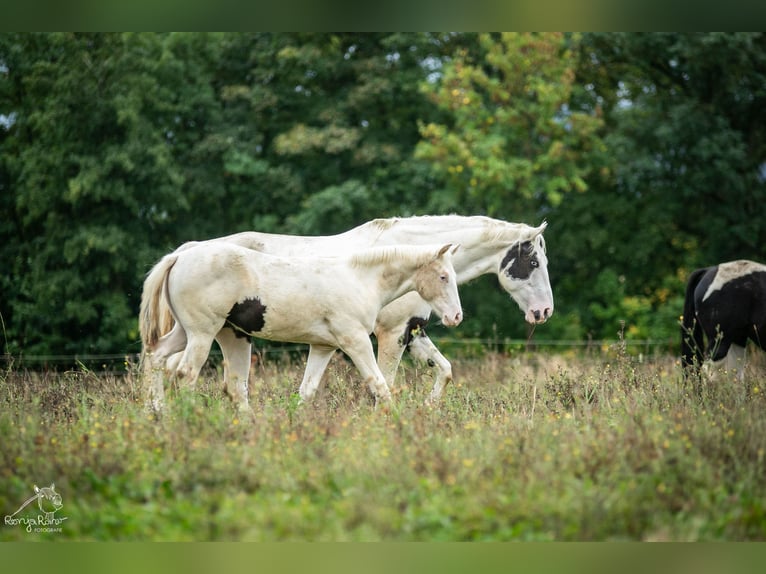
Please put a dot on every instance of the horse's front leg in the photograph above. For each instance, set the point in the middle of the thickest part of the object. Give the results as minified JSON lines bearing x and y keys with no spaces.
{"x":390,"y":350}
{"x":359,"y":350}
{"x":393,"y":327}
{"x":319,"y":357}
{"x":735,"y":361}
{"x":236,"y":365}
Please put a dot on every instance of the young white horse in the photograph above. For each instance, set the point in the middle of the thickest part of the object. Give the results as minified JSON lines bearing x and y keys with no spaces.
{"x":515,"y":252}
{"x":331,"y":303}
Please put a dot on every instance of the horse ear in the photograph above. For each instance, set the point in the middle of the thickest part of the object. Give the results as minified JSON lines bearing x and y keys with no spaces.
{"x":455,"y":248}
{"x":534,"y":232}
{"x":443,"y":250}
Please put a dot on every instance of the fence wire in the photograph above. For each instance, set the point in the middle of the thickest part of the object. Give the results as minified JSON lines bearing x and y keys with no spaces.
{"x":105,"y":359}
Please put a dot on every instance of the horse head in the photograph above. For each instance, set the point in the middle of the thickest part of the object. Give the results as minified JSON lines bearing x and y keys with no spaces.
{"x":436,"y":282}
{"x":523,"y":273}
{"x":47,"y":497}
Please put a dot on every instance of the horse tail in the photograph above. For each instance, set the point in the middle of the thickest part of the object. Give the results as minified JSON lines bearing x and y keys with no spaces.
{"x":155,"y":318}
{"x":692,"y":342}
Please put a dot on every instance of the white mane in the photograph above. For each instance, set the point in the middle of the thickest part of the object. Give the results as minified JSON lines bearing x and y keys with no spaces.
{"x":415,"y":255}
{"x":465,"y":229}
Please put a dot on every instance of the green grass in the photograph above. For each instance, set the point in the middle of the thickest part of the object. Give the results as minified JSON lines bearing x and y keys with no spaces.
{"x":532,"y":447}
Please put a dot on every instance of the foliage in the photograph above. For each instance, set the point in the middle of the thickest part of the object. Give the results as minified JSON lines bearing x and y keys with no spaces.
{"x":522,"y":448}
{"x":512,"y":138}
{"x":685,"y":188}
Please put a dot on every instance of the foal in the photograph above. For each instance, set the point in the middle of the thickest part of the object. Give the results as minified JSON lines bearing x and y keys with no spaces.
{"x":328,"y":302}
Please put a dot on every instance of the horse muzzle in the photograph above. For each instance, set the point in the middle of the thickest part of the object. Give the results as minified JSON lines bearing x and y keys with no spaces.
{"x":536,"y":316}
{"x":452,"y":320}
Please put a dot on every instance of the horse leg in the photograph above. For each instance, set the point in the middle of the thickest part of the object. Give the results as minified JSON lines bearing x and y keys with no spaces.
{"x":319,"y":357}
{"x":390,"y":351}
{"x":391,"y":346}
{"x":360,"y":352}
{"x":236,"y":365}
{"x":194,"y":357}
{"x":171,"y":363}
{"x":170,"y":345}
{"x":735,"y":361}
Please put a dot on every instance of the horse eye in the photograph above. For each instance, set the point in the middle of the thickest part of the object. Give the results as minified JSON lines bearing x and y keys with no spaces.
{"x":534,"y":263}
{"x":443,"y":278}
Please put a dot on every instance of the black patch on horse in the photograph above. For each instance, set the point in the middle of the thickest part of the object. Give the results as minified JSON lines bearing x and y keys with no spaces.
{"x":416,"y":327}
{"x":247,"y":317}
{"x":520,"y":261}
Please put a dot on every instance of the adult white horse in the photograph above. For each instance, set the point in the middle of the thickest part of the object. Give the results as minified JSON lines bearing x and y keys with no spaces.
{"x":515,"y":252}
{"x":328,"y":302}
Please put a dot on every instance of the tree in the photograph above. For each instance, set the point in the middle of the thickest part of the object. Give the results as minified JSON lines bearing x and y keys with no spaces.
{"x":512,"y":145}
{"x":685,"y":187}
{"x":91,"y":167}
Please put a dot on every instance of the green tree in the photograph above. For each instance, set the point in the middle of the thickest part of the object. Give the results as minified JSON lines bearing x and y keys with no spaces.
{"x":512,"y":145}
{"x":92,"y":178}
{"x":685,"y":188}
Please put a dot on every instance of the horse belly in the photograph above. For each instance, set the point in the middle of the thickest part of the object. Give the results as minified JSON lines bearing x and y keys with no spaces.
{"x":278,"y":321}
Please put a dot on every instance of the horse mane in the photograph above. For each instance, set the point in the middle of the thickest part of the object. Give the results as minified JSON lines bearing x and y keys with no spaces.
{"x":493,"y":231}
{"x":417,"y":255}
{"x":497,"y":231}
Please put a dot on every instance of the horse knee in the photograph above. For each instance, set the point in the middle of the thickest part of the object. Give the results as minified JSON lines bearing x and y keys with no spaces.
{"x":380,"y":389}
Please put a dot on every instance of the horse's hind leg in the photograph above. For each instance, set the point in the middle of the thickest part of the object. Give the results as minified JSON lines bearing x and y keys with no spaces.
{"x":236,"y":365}
{"x":319,"y":357}
{"x":194,"y":357}
{"x":169,"y":345}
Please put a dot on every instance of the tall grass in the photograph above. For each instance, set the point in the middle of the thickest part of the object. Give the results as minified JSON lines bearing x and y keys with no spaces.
{"x":532,"y":447}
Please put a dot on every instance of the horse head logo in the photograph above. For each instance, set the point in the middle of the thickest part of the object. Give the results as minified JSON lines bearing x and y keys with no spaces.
{"x":48,"y":501}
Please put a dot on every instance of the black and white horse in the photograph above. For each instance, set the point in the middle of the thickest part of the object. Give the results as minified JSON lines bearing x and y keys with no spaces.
{"x":726,"y":304}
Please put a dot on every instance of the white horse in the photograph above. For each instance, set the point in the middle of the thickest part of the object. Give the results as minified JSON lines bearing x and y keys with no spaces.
{"x":225,"y":291}
{"x":515,"y":252}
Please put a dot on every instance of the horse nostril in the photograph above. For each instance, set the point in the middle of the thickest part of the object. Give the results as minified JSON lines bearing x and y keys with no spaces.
{"x":547,"y":312}
{"x":536,"y":313}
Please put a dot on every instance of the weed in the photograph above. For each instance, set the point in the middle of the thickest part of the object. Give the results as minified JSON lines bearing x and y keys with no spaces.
{"x":524,"y":448}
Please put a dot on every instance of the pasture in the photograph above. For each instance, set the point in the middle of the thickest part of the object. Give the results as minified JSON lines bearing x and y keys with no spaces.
{"x":532,"y":446}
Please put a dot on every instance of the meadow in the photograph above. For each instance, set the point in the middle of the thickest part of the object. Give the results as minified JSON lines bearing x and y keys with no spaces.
{"x":531,"y":446}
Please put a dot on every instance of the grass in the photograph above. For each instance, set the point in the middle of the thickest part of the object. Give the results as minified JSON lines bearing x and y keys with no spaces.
{"x":533,"y":447}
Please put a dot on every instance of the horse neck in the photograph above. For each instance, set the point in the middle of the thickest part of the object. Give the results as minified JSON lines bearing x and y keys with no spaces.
{"x":482,"y":240}
{"x":392,"y":277}
{"x":26,"y":503}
